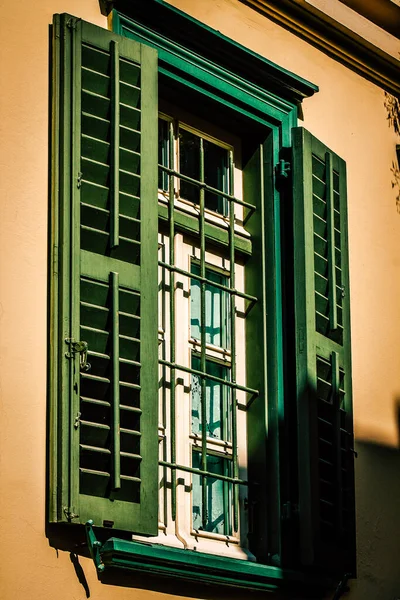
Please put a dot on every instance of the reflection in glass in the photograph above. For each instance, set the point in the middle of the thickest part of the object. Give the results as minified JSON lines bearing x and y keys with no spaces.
{"x":219,"y":496}
{"x":216,"y":170}
{"x":163,"y":154}
{"x":216,"y":175}
{"x":218,"y":405}
{"x":217,"y":309}
{"x":189,"y":164}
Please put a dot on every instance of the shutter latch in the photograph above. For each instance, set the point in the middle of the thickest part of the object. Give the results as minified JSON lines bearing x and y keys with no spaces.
{"x":82,"y":349}
{"x":282,"y":169}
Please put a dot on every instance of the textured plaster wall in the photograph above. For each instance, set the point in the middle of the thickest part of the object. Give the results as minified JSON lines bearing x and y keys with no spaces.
{"x":349,"y":116}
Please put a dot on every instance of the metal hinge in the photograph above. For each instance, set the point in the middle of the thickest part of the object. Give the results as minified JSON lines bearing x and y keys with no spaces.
{"x":77,"y":420}
{"x":82,"y":349}
{"x":69,"y":514}
{"x":72,"y":22}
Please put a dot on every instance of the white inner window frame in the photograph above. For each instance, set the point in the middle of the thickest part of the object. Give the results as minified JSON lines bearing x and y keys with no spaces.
{"x":180,"y":532}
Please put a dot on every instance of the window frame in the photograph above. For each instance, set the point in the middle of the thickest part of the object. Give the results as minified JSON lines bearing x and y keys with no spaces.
{"x":277,"y":115}
{"x":187,"y":257}
{"x":273,"y":117}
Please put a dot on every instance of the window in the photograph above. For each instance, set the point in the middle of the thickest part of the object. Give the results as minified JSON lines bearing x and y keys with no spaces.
{"x":202,"y":343}
{"x":255,"y":336}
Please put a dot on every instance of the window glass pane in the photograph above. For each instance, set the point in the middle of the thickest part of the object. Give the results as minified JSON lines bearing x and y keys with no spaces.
{"x":217,"y":309}
{"x":189,"y":164}
{"x":219,"y":496}
{"x":163,"y":154}
{"x":216,"y":175}
{"x":218,"y":403}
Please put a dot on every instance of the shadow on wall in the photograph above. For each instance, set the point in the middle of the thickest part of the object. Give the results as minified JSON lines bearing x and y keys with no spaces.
{"x":377,"y":471}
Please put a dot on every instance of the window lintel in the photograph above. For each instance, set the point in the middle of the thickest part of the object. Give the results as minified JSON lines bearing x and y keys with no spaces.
{"x":222,"y":54}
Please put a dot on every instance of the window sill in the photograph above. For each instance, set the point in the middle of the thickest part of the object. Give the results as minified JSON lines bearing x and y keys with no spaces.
{"x":189,"y":565}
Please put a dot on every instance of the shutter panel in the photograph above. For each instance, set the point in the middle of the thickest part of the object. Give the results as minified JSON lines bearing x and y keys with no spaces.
{"x":105,"y":90}
{"x":323,"y":360}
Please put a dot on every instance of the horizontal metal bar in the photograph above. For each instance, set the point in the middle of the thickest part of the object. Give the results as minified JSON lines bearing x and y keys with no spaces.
{"x":230,"y":384}
{"x":176,"y":467}
{"x":207,"y":188}
{"x":220,"y":286}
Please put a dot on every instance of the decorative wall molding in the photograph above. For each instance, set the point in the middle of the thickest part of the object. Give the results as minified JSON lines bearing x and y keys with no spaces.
{"x":334,"y":39}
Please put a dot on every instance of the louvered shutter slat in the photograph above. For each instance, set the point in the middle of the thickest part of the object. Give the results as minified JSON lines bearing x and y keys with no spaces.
{"x":323,"y":362}
{"x":111,"y":201}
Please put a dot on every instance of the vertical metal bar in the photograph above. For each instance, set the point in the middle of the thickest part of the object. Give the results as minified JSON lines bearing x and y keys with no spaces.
{"x":172,"y":318}
{"x":203,"y":398}
{"x":164,"y":390}
{"x":331,"y":242}
{"x":115,"y":118}
{"x":337,"y":440}
{"x":227,"y":500}
{"x":116,"y":472}
{"x":233,"y":345}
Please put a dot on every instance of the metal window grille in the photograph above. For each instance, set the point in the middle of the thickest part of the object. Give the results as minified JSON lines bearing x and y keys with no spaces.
{"x":202,"y":467}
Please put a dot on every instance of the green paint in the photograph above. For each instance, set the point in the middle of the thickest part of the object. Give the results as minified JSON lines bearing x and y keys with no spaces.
{"x":92,"y":254}
{"x":323,"y":359}
{"x":84,"y":251}
{"x":195,"y":566}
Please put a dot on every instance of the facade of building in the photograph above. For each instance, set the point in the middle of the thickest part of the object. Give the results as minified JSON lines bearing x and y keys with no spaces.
{"x":199,"y":200}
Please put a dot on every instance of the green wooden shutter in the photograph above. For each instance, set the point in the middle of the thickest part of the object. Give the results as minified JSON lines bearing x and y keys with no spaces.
{"x":104,"y":293}
{"x":323,"y":359}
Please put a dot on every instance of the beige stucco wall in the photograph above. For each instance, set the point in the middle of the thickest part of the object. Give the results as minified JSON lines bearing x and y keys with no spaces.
{"x":349,"y":116}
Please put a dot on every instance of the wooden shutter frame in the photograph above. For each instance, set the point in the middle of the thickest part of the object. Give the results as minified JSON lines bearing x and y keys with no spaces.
{"x":309,"y":345}
{"x":68,"y":33}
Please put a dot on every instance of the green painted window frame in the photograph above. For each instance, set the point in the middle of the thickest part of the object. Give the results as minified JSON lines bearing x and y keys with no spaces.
{"x":96,"y":282}
{"x":273,"y":118}
{"x":230,"y":74}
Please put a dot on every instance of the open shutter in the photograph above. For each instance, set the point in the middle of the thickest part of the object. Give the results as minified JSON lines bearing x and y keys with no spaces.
{"x":323,"y":360}
{"x":105,"y":212}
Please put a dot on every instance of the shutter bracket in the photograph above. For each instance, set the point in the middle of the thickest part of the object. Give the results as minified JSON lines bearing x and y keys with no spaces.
{"x":94,"y":546}
{"x":80,"y":348}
